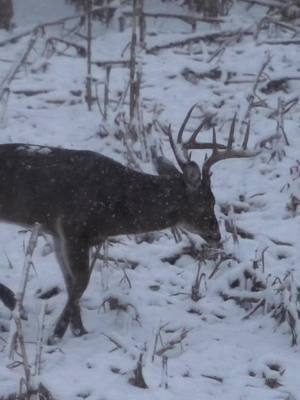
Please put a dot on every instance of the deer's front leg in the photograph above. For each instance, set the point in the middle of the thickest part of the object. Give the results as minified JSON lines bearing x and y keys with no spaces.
{"x":73,"y":256}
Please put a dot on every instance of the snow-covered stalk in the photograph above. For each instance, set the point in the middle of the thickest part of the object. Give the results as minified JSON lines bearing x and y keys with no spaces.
{"x":173,"y":348}
{"x":106,"y":91}
{"x":3,"y":109}
{"x":89,"y":56}
{"x":133,"y":65}
{"x":105,"y":267}
{"x":142,"y":23}
{"x":138,"y":379}
{"x":164,"y":372}
{"x":19,"y":335}
{"x":16,"y":331}
{"x":252,"y":95}
{"x":27,"y":264}
{"x":232,"y":223}
{"x":142,"y":131}
{"x":39,"y":344}
{"x":122,"y":21}
{"x":196,"y":294}
{"x":18,"y":64}
{"x":280,"y":121}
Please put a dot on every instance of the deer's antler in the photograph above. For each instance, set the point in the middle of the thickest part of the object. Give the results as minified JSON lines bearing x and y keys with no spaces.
{"x":180,"y":153}
{"x":228,"y":152}
{"x":219,"y":151}
{"x":180,"y":148}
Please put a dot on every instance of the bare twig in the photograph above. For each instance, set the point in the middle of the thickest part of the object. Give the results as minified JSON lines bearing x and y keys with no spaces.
{"x":286,"y":107}
{"x":158,"y":337}
{"x":115,"y":342}
{"x":247,"y":116}
{"x":81,"y":51}
{"x":210,"y":37}
{"x":282,"y":24}
{"x":261,"y":303}
{"x":223,"y":257}
{"x":213,"y":377}
{"x":112,"y":63}
{"x":59,"y":21}
{"x":171,"y":344}
{"x":12,"y":73}
{"x":282,"y":42}
{"x":189,"y":19}
{"x":98,"y":99}
{"x":115,"y":304}
{"x":230,"y":41}
{"x":280,"y":122}
{"x":266,"y":3}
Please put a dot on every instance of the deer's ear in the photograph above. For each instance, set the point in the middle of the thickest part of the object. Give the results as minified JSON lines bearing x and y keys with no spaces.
{"x":192,"y":175}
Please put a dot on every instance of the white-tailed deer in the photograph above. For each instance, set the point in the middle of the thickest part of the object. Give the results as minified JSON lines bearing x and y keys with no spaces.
{"x":81,"y":198}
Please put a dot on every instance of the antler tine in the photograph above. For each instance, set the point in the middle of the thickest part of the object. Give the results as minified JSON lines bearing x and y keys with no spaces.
{"x":218,"y":155}
{"x":207,"y":120}
{"x":191,"y":144}
{"x":181,"y":160}
{"x":246,"y":138}
{"x":183,"y":125}
{"x":195,"y":133}
{"x":163,"y":128}
{"x":231,"y":133}
{"x":214,"y":143}
{"x":224,"y":155}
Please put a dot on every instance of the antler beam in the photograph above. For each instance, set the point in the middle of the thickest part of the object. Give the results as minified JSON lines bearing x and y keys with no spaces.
{"x":218,"y":155}
{"x":219,"y":151}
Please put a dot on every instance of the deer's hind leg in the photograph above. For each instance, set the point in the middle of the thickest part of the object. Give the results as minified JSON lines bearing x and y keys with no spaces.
{"x":72,"y":254}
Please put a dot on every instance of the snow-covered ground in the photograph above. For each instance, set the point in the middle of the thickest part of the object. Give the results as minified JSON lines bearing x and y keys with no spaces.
{"x":210,"y":349}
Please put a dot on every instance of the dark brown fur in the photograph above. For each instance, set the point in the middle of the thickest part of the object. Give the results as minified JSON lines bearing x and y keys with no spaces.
{"x":81,"y":198}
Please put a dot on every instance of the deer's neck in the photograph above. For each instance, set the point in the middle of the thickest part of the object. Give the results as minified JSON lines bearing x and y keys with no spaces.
{"x":144,"y":203}
{"x":157,"y":203}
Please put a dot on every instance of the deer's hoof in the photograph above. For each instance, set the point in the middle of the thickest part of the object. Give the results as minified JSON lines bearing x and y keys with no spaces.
{"x":79,"y":331}
{"x":53,"y":340}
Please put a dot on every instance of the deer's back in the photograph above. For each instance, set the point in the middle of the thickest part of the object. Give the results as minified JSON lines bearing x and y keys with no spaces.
{"x":40,"y":184}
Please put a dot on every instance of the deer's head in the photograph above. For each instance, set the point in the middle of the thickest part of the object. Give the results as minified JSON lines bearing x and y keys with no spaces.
{"x":198,"y":212}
